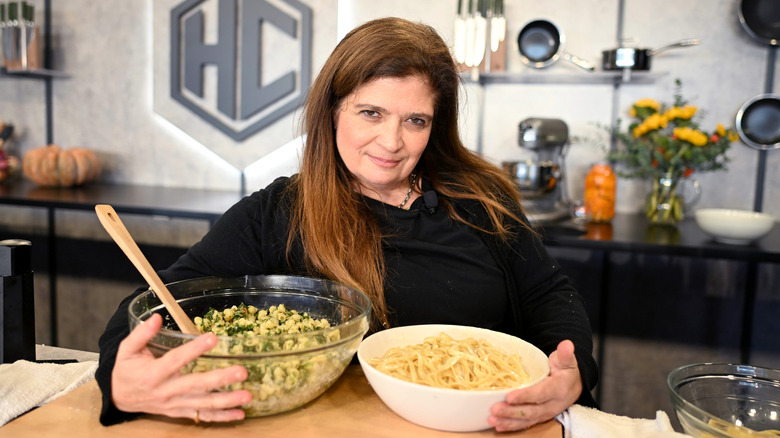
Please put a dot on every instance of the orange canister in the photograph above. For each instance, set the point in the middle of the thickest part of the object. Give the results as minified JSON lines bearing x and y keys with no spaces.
{"x":600,"y":190}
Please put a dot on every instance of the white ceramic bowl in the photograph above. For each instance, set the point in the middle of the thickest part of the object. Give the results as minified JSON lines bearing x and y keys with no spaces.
{"x":734,"y":226}
{"x":444,"y":409}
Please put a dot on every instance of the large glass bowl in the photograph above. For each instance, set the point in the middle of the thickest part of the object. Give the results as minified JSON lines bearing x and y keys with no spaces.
{"x":726,"y":400}
{"x":280,"y":378}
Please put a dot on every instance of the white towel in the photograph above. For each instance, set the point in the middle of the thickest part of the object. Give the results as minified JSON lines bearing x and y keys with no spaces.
{"x":25,"y":385}
{"x":583,"y":422}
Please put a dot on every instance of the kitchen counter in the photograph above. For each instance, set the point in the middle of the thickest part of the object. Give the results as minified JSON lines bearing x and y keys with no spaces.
{"x":146,"y":200}
{"x":632,"y":233}
{"x":350,"y":408}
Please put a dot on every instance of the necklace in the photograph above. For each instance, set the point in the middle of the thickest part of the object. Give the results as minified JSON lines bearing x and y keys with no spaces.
{"x":409,"y":193}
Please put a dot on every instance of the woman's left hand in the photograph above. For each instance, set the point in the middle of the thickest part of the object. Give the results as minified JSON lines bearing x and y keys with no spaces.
{"x":526,"y":407}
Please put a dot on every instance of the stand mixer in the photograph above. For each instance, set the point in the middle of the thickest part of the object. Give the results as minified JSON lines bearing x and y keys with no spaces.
{"x":541,"y":180}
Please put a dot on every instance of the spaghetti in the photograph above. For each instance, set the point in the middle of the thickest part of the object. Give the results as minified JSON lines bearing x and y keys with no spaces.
{"x":739,"y":431}
{"x":443,"y":362}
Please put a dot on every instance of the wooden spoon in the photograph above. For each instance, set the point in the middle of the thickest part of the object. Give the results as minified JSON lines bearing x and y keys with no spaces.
{"x":121,"y":236}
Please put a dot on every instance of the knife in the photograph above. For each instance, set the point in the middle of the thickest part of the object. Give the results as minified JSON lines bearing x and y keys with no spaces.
{"x":497,"y":25}
{"x":460,"y":34}
{"x":480,"y":32}
{"x":470,"y":32}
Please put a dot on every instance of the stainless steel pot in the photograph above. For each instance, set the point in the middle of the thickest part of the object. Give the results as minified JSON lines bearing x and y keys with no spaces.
{"x":637,"y":59}
{"x":534,"y":179}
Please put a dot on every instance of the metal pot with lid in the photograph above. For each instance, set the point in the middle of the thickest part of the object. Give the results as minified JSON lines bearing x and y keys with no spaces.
{"x":637,"y":59}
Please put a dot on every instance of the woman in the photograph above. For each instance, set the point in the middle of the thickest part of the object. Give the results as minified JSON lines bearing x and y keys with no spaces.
{"x":389,"y":201}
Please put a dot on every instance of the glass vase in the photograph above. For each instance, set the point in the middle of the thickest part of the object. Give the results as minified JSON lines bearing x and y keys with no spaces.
{"x":665,"y":204}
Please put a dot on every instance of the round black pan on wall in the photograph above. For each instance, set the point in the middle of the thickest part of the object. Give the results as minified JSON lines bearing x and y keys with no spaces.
{"x":761,"y":20}
{"x":758,"y":122}
{"x":541,"y":44}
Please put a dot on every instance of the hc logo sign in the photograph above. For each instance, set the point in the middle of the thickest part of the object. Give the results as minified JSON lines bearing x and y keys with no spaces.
{"x":255,"y":68}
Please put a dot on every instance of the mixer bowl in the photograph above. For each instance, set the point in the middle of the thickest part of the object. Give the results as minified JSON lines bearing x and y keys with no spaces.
{"x":534,"y":179}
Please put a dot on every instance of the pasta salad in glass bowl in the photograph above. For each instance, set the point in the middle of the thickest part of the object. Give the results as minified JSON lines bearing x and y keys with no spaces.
{"x":294,"y":335}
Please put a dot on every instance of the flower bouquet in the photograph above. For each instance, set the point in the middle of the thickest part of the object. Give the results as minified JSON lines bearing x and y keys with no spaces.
{"x":666,"y":144}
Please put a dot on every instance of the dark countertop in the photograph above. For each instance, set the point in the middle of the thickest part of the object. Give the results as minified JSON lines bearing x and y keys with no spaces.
{"x":626,"y":232}
{"x":633,"y":233}
{"x":167,"y":201}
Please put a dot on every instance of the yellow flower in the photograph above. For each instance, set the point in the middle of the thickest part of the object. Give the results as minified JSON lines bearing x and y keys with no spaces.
{"x":652,"y":123}
{"x":692,"y":136}
{"x":676,"y":112}
{"x":657,"y":121}
{"x":666,"y":139}
{"x":647,"y":103}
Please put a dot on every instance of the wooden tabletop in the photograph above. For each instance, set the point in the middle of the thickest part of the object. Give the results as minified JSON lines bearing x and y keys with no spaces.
{"x":350,"y":408}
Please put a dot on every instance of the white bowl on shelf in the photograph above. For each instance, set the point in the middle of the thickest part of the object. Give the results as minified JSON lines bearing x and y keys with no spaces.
{"x":734,"y":226}
{"x":450,"y":410}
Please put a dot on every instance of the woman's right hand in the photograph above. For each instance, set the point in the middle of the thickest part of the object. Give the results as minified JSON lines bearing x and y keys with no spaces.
{"x":142,"y":383}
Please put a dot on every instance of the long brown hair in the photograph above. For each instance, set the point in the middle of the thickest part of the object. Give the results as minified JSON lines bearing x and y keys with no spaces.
{"x":340,"y":237}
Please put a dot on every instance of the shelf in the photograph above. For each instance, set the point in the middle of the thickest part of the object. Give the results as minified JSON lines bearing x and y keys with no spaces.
{"x":37,"y":73}
{"x":603,"y":77}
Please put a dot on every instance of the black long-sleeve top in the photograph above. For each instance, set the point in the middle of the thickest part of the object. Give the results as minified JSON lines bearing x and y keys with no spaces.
{"x":438,"y":270}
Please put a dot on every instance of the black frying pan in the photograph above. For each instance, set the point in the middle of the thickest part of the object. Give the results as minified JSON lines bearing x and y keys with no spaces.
{"x":758,"y":122}
{"x":761,"y":20}
{"x":541,"y":44}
